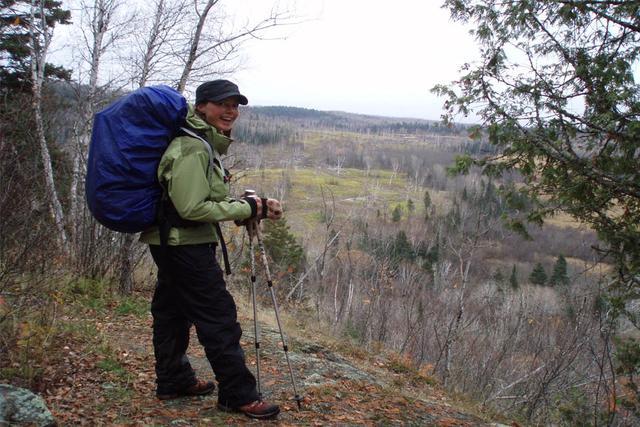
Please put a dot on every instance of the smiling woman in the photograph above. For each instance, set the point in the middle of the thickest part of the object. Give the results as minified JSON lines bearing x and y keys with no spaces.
{"x":191,"y":289}
{"x":217,"y":103}
{"x":221,"y":114}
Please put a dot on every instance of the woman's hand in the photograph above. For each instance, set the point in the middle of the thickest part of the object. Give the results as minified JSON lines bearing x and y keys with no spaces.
{"x":274,"y":208}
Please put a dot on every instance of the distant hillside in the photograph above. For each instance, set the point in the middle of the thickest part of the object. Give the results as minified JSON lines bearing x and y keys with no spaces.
{"x":338,"y":120}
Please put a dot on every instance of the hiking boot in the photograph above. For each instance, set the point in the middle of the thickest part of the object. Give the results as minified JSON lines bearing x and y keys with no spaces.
{"x":257,"y":409}
{"x":200,"y":388}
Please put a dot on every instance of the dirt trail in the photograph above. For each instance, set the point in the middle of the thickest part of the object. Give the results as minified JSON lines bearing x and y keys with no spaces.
{"x":337,"y":389}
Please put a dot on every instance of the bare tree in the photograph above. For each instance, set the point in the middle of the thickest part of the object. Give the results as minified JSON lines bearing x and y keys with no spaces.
{"x":40,"y":35}
{"x":211,"y":50}
{"x":102,"y":26}
{"x":152,"y":56}
{"x":150,"y":60}
{"x":100,"y":29}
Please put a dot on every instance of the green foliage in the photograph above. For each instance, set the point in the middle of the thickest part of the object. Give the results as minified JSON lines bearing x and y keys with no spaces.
{"x":396,"y":214}
{"x":556,"y":91}
{"x":600,"y":304}
{"x":411,"y":207}
{"x":584,"y":161}
{"x":487,"y":199}
{"x":137,"y":306}
{"x":628,"y":365}
{"x":628,"y":356}
{"x":397,"y":249}
{"x":111,"y":365}
{"x":16,"y":43}
{"x":574,"y":409}
{"x":119,"y":387}
{"x":401,"y":248}
{"x":513,"y":278}
{"x":25,"y":345}
{"x":426,"y":201}
{"x":93,"y":294}
{"x":462,"y":165}
{"x":538,"y":276}
{"x":559,"y":274}
{"x":353,"y":330}
{"x":282,"y":246}
{"x":429,"y":254}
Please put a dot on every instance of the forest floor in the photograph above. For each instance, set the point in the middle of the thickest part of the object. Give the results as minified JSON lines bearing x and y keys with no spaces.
{"x":107,"y":378}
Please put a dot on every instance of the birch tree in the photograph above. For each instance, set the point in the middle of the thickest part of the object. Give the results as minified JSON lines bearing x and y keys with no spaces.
{"x":100,"y":29}
{"x":152,"y":58}
{"x":42,"y":17}
{"x":103,"y":24}
{"x":168,"y":36}
{"x":149,"y":58}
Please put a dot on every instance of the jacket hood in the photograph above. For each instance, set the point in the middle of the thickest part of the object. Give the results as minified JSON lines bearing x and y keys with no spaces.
{"x":218,"y":141}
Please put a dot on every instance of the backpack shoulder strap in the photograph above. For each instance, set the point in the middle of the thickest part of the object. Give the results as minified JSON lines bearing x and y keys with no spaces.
{"x":212,"y":153}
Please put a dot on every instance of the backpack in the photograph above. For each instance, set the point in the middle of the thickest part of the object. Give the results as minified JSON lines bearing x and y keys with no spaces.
{"x":127,"y":141}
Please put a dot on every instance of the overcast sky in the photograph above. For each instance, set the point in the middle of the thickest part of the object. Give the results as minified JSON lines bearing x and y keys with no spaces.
{"x":375,"y":57}
{"x":362,"y":56}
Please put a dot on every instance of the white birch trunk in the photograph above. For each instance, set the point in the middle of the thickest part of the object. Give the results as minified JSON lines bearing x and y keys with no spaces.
{"x":74,"y":211}
{"x":40,"y":40}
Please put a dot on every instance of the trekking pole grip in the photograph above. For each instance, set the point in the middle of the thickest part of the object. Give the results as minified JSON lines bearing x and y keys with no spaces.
{"x":251,"y":224}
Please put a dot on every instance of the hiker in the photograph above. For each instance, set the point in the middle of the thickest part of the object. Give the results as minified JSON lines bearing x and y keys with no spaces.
{"x":191,"y":287}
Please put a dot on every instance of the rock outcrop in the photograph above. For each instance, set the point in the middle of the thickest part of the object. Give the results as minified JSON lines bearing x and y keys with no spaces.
{"x":19,"y":406}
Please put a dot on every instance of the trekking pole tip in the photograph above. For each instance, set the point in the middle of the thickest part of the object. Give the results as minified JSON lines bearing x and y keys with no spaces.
{"x":299,"y":401}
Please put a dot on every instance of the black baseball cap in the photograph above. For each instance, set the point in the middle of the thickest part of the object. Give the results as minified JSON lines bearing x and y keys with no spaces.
{"x":217,"y":90}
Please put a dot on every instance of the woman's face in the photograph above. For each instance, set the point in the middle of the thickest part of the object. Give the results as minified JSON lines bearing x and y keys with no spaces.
{"x":221,"y":115}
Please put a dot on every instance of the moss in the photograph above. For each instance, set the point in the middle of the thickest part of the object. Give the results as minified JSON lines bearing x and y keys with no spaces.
{"x":136,"y":306}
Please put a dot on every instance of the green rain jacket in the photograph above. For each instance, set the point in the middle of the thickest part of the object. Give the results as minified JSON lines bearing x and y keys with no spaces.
{"x":197,"y":193}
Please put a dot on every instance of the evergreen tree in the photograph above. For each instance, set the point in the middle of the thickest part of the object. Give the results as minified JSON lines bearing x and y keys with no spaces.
{"x":538,"y":276}
{"x":513,"y":279}
{"x":15,"y":49}
{"x":282,"y":246}
{"x":581,"y":161}
{"x":396,"y":215}
{"x":559,"y":274}
{"x":411,"y":207}
{"x":427,"y":205}
{"x":498,"y":277}
{"x":401,"y":248}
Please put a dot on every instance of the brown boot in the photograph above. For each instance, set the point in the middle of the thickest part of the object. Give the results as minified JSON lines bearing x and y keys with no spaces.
{"x":257,"y":409}
{"x":200,"y":388}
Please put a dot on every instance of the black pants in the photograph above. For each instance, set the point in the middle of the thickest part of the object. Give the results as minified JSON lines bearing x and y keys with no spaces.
{"x":191,"y":290}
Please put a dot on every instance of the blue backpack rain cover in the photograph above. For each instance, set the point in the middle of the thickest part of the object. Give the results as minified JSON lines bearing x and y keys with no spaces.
{"x":127,"y":142}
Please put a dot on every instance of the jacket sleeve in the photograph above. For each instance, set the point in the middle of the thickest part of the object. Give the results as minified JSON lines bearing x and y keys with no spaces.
{"x":190,"y":192}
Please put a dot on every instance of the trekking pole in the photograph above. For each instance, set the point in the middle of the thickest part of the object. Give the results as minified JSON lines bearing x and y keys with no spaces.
{"x":251,"y":227}
{"x":285,"y":347}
